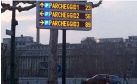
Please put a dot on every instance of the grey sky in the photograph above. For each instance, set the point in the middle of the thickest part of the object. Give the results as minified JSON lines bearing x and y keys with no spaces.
{"x":111,"y":20}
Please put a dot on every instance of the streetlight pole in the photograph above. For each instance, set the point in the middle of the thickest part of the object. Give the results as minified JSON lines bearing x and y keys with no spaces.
{"x":12,"y":58}
{"x":13,"y":8}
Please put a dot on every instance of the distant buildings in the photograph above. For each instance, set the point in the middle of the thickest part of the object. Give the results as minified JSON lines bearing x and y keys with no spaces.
{"x":90,"y":57}
{"x":19,"y":41}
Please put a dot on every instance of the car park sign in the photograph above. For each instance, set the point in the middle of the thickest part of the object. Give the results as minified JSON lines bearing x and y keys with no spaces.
{"x":64,"y":15}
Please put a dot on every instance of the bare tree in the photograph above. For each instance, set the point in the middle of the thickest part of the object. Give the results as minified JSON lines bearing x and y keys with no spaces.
{"x":19,"y":8}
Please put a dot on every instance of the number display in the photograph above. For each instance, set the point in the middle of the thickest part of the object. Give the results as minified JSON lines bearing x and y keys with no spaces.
{"x":87,"y":24}
{"x":87,"y":7}
{"x":87,"y":16}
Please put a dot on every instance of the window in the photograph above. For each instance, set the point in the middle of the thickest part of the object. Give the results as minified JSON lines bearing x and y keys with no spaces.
{"x":19,"y":43}
{"x":116,"y":45}
{"x":20,"y":48}
{"x":102,"y":76}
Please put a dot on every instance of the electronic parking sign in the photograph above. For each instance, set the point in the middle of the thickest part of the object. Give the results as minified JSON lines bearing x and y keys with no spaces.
{"x":63,"y":15}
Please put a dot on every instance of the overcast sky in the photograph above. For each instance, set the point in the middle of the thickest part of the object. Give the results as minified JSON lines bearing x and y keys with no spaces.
{"x":113,"y":19}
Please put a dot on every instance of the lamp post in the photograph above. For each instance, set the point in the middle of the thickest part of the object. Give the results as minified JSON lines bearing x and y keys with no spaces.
{"x":13,"y":8}
{"x":12,"y":58}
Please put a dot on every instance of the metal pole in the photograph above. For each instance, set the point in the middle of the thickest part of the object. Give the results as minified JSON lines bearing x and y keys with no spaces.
{"x":38,"y":36}
{"x":64,"y":57}
{"x":4,"y":62}
{"x":12,"y":64}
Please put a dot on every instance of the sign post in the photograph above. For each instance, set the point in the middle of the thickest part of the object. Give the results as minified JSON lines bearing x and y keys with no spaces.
{"x":64,"y":57}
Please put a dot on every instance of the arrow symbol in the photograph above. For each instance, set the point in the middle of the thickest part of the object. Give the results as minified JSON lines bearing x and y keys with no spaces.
{"x":41,"y":22}
{"x":41,"y":4}
{"x":41,"y":13}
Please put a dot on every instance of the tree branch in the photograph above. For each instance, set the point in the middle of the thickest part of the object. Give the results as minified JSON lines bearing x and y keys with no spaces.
{"x":96,"y":5}
{"x":19,"y":8}
{"x":24,"y":2}
{"x":25,"y":8}
{"x":4,"y":5}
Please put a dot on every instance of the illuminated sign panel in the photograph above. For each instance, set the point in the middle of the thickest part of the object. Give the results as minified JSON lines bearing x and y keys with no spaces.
{"x":65,"y":6}
{"x":64,"y":23}
{"x":58,"y":14}
{"x":64,"y":15}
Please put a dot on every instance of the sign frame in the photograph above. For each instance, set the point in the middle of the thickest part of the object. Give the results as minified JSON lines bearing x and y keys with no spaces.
{"x":38,"y":18}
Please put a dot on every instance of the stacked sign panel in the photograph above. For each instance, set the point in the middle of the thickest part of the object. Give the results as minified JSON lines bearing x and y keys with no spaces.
{"x":63,"y":15}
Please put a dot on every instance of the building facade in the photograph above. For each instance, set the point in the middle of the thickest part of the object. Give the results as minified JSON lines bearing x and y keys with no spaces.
{"x":90,"y":57}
